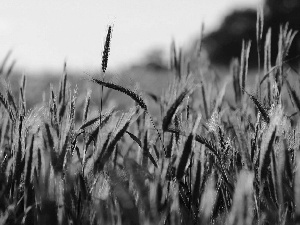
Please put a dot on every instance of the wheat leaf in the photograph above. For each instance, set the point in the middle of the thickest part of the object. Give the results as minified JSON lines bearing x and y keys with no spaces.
{"x":297,"y":189}
{"x":107,"y":152}
{"x":29,"y":163}
{"x":172,"y":110}
{"x":185,"y":156}
{"x":135,"y":138}
{"x":265,"y":157}
{"x":196,"y":190}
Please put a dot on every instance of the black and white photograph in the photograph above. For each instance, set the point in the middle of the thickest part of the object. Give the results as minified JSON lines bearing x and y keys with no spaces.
{"x":149,"y":112}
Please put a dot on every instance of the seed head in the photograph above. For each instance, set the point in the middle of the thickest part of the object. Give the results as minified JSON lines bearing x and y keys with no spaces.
{"x":106,"y":49}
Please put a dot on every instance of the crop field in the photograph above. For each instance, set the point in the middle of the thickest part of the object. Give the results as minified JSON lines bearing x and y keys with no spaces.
{"x":201,"y":158}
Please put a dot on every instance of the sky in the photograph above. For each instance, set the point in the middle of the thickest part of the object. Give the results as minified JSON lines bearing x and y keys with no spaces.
{"x":43,"y":34}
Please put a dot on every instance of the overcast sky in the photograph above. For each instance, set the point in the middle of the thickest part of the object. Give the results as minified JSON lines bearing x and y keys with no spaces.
{"x":43,"y":34}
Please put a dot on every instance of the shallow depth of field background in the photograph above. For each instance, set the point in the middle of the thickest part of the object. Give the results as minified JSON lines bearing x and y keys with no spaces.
{"x":38,"y":37}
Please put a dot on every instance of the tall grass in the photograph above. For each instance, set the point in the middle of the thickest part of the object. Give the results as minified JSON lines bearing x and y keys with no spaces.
{"x":207,"y":161}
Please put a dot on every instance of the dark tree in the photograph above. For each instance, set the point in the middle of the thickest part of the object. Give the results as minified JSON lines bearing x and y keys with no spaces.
{"x":225,"y":43}
{"x":283,"y":10}
{"x":280,"y":12}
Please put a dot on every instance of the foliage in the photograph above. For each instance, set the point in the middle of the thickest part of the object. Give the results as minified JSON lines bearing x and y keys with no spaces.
{"x":225,"y":43}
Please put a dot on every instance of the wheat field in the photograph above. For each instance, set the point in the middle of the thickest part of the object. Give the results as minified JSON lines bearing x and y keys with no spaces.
{"x":202,"y":160}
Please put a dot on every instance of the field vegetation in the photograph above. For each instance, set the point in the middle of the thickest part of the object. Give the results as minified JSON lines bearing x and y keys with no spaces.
{"x":199,"y":160}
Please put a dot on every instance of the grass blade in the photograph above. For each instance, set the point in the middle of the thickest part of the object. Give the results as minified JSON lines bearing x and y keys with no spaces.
{"x":173,"y":108}
{"x":135,"y":138}
{"x":184,"y":157}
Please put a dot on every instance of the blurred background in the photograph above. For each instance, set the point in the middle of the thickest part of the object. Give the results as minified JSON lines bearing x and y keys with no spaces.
{"x":37,"y":37}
